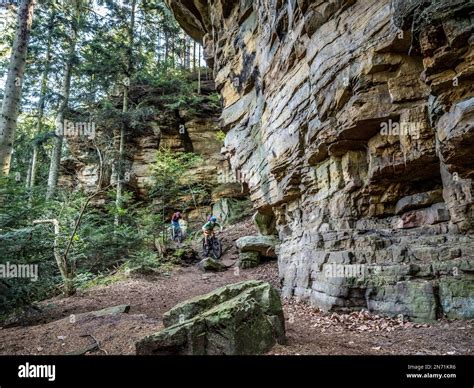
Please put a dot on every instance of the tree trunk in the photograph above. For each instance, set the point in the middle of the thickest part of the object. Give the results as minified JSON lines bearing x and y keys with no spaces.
{"x":167,"y":47}
{"x":199,"y":70}
{"x":54,"y":165}
{"x":119,"y":192}
{"x":194,"y":56}
{"x":129,"y":59}
{"x":173,"y":56}
{"x":41,"y":103}
{"x":159,"y":50}
{"x":58,"y":140}
{"x":187,"y":52}
{"x":61,"y":260}
{"x":32,"y":170}
{"x":13,"y":85}
{"x":183,"y":54}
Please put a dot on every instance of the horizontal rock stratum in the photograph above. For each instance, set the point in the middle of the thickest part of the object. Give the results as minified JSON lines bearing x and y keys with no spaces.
{"x":240,"y":318}
{"x":351,"y":123}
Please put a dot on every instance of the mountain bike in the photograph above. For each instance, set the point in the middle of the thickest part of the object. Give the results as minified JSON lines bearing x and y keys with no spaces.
{"x":177,"y":234}
{"x":213,"y":248}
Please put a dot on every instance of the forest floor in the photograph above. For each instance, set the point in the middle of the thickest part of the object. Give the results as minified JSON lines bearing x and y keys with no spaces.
{"x":58,"y":328}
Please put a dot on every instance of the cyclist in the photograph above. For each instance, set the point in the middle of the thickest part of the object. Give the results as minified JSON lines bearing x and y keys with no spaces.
{"x":175,"y":226}
{"x":208,"y":228}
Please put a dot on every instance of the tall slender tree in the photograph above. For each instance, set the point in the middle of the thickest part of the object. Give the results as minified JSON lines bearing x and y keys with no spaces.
{"x":199,"y":70}
{"x":13,"y":86}
{"x":30,"y":182}
{"x":78,"y":13}
{"x":128,"y":73}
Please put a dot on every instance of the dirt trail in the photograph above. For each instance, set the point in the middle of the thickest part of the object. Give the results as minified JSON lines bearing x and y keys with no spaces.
{"x":56,"y":331}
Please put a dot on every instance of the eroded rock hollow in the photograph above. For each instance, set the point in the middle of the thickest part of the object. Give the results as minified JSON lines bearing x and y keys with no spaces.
{"x":351,"y":122}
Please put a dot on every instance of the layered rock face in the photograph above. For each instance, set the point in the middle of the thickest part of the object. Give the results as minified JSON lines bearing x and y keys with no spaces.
{"x":351,"y":122}
{"x":178,"y":130}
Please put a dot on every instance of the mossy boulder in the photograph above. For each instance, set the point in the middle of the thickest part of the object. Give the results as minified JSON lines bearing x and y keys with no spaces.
{"x":241,"y":318}
{"x":248,"y":259}
{"x":209,"y":264}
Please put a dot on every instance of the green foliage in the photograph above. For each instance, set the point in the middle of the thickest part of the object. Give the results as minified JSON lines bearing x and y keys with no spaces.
{"x":220,"y":136}
{"x":23,"y":243}
{"x":97,"y":246}
{"x":169,"y":81}
{"x":143,"y":262}
{"x":215,"y":100}
{"x":150,"y":222}
{"x":101,"y":245}
{"x":168,"y":171}
{"x":82,"y":279}
{"x":241,"y":209}
{"x":193,"y":102}
{"x":87,"y":280}
{"x":178,"y":253}
{"x":161,"y":80}
{"x":27,"y":246}
{"x":13,"y":198}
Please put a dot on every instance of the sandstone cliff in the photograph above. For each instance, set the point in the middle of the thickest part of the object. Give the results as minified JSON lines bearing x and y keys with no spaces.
{"x":181,"y":129}
{"x":351,"y":122}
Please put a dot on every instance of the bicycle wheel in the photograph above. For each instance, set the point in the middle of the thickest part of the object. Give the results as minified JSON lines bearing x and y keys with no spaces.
{"x":176,"y":233}
{"x":205,"y":248}
{"x":216,"y":249}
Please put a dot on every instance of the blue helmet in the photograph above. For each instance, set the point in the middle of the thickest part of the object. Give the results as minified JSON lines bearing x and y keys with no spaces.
{"x":213,"y":219}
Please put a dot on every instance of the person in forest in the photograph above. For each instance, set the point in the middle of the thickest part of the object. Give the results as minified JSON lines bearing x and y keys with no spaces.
{"x":175,"y":225}
{"x":208,"y":228}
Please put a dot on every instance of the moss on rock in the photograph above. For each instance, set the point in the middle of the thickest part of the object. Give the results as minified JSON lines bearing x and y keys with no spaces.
{"x":241,"y":318}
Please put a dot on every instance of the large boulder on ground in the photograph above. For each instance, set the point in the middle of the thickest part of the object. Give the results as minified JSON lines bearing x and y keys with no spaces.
{"x":209,"y":264}
{"x":249,"y":259}
{"x":241,"y":318}
{"x":265,"y":245}
{"x":184,"y":255}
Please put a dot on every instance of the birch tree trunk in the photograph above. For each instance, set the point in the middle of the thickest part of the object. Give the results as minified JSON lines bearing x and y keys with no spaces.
{"x":13,"y":85}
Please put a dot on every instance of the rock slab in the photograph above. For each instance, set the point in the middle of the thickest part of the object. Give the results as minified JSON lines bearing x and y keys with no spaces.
{"x":240,"y":318}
